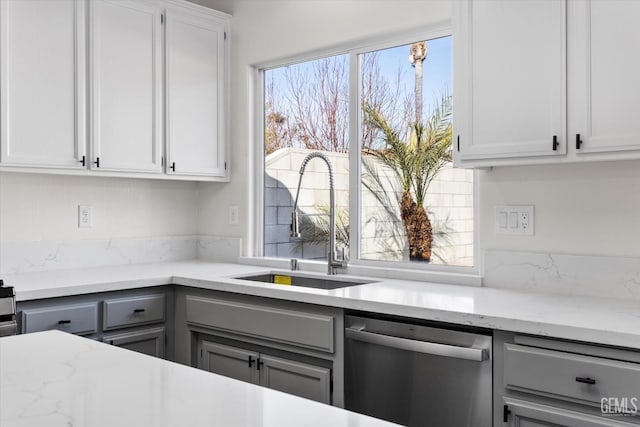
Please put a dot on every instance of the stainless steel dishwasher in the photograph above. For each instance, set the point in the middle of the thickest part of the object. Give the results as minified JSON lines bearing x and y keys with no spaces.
{"x":417,"y":375}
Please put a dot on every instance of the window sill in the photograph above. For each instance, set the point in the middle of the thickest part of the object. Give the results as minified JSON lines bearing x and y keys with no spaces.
{"x":356,"y":269}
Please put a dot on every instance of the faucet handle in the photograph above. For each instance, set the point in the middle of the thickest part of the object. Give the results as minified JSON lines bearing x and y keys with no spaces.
{"x":342,"y":255}
{"x":294,"y":228}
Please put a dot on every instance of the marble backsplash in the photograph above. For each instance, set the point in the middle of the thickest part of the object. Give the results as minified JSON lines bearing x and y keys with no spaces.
{"x":611,"y":277}
{"x":24,"y":257}
{"x":218,"y":249}
{"x":599,"y":276}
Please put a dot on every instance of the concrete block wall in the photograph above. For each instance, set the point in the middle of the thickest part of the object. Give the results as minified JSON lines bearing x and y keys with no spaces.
{"x":450,"y":206}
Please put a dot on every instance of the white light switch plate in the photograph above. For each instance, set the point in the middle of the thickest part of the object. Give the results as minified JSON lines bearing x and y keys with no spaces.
{"x":85,"y":216}
{"x":234,"y":213}
{"x":514,"y":219}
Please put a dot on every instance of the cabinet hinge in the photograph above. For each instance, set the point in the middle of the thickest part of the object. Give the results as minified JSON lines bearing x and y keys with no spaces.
{"x":162,"y":18}
{"x":505,"y":413}
{"x":225,"y":35}
{"x":225,"y":165}
{"x":162,"y":161}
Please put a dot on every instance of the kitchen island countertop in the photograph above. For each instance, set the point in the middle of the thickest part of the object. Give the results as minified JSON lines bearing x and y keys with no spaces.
{"x":55,"y":379}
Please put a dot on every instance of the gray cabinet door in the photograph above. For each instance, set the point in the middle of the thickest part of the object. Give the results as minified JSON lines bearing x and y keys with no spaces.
{"x":530,"y":414}
{"x":147,"y":341}
{"x":229,"y":361}
{"x":300,"y":379}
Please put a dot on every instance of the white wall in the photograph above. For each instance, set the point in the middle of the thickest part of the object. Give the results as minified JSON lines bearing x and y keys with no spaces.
{"x":266,"y":30}
{"x":590,"y":208}
{"x":36,"y":207}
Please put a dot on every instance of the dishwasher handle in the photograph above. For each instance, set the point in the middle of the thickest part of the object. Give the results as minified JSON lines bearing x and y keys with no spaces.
{"x":466,"y":353}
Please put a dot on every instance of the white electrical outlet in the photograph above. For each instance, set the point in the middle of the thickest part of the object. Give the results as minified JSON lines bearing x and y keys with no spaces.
{"x":85,"y":216}
{"x":234,"y":213}
{"x":514,"y":219}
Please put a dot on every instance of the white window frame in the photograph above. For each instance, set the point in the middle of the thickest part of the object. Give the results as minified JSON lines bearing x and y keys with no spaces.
{"x":388,"y":269}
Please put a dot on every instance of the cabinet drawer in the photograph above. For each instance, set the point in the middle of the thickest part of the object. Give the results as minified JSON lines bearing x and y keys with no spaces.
{"x":287,"y":326}
{"x":124,"y":312}
{"x":570,"y":376}
{"x":76,"y":319}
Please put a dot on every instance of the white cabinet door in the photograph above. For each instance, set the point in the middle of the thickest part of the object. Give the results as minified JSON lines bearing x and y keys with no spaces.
{"x":509,"y":80}
{"x":195,"y":90}
{"x":42,"y":84}
{"x":604,"y":66}
{"x":125,"y":83}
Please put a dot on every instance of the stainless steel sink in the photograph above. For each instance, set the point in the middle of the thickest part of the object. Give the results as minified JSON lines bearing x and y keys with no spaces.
{"x":304,"y":281}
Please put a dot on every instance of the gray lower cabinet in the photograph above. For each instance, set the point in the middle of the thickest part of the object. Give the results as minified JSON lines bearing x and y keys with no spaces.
{"x":134,"y":319}
{"x":278,"y":373}
{"x":301,"y":379}
{"x":229,"y":361}
{"x":147,"y":341}
{"x":288,"y":346}
{"x":544,"y":382}
{"x":524,"y":413}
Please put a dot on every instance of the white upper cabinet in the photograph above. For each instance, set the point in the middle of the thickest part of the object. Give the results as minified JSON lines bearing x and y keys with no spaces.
{"x":42,"y":83}
{"x":509,"y":78}
{"x":196,"y":56}
{"x":125,"y":74}
{"x":134,"y":88}
{"x":510,"y":69}
{"x":604,"y":70}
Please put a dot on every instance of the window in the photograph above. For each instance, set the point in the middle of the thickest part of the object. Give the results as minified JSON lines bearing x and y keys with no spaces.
{"x":306,"y":110}
{"x":411,"y":207}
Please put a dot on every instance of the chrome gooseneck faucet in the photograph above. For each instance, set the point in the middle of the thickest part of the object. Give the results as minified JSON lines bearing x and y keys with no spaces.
{"x":336,"y":258}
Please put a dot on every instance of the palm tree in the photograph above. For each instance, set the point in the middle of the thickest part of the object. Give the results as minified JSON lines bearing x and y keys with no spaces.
{"x":416,"y":58}
{"x":415,"y":162}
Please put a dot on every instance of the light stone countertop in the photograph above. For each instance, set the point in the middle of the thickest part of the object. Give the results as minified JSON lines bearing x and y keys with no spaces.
{"x":591,"y":319}
{"x":55,"y":379}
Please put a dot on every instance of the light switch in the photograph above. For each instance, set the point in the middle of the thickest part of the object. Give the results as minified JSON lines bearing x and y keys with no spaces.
{"x":513,"y":220}
{"x":85,"y":214}
{"x":502,"y":219}
{"x":234,"y":214}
